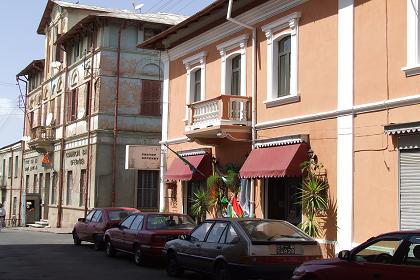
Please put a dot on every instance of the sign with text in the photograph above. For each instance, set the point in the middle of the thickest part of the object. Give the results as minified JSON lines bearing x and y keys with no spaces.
{"x":142,"y":157}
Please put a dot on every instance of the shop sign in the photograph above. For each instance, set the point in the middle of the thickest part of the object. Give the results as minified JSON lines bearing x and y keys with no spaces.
{"x":76,"y":156}
{"x":142,"y":157}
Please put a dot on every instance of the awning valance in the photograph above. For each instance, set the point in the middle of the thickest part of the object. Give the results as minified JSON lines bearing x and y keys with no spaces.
{"x":180,"y":171}
{"x":275,"y":161}
{"x":402,"y":128}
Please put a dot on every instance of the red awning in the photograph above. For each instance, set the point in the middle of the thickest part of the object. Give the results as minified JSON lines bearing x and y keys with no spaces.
{"x":275,"y":161}
{"x":179,"y":171}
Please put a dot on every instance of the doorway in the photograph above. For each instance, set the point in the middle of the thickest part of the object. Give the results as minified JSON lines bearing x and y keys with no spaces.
{"x":281,"y":199}
{"x":189,"y":189}
{"x":46,"y":199}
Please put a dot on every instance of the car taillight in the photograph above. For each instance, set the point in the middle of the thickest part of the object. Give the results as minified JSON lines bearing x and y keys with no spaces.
{"x":277,"y":259}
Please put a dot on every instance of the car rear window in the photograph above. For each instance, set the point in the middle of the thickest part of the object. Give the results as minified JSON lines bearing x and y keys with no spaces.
{"x":169,"y":222}
{"x":274,"y":231}
{"x":118,"y":215}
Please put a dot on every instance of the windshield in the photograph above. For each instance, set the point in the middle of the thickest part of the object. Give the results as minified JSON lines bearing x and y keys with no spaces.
{"x":270,"y":230}
{"x":169,"y":222}
{"x":118,"y":215}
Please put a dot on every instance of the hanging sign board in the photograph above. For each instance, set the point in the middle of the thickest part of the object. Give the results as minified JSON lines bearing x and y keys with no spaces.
{"x":142,"y":157}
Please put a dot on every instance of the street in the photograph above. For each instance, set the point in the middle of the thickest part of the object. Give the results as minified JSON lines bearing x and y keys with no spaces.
{"x":38,"y":255}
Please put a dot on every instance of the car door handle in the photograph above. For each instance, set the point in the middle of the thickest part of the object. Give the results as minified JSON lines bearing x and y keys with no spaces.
{"x":197,"y":245}
{"x":218,"y":247}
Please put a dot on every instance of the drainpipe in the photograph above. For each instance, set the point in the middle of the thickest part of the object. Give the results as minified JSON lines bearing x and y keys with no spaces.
{"x":22,"y":152}
{"x":11,"y":187}
{"x":117,"y":93}
{"x":253,"y":91}
{"x":62,"y":144}
{"x":89,"y":120}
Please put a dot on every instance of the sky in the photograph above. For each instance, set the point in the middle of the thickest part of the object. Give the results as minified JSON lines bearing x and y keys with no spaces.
{"x":21,"y":44}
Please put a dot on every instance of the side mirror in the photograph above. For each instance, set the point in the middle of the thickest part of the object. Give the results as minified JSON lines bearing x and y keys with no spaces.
{"x":344,"y":255}
{"x":82,"y":220}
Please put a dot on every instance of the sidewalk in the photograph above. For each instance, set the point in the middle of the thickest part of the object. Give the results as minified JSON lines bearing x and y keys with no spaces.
{"x":49,"y":230}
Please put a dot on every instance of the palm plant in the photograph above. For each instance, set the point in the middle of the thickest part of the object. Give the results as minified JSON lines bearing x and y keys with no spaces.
{"x":200,"y":205}
{"x":313,"y":196}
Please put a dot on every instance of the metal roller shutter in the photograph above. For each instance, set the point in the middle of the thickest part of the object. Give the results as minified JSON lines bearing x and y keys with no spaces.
{"x":410,"y":189}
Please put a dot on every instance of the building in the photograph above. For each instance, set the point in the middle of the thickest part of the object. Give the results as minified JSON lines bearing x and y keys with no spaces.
{"x":93,"y":94}
{"x":262,"y":83}
{"x":11,"y":162}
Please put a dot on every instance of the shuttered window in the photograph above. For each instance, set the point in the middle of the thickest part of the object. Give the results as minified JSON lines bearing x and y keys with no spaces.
{"x":410,"y":189}
{"x":150,"y":98}
{"x":147,"y":189}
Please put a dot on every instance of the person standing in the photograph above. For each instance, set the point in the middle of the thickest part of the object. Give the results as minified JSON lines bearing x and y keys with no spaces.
{"x":2,"y":216}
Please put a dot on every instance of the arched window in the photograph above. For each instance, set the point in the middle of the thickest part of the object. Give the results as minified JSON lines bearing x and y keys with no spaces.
{"x":284,"y":66}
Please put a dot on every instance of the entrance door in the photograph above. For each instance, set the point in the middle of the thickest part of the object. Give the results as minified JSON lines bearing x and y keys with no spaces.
{"x":281,"y":199}
{"x":46,"y":200}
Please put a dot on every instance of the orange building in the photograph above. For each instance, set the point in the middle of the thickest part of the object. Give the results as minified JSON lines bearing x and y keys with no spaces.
{"x":258,"y":84}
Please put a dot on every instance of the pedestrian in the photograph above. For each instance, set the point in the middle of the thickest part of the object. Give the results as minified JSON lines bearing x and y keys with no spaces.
{"x":2,"y":216}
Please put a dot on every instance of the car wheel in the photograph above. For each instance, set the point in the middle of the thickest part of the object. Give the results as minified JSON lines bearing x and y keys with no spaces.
{"x":138,"y":256}
{"x":173,"y":269}
{"x":222,"y":272}
{"x":98,"y":243}
{"x":109,"y":250}
{"x":76,"y":239}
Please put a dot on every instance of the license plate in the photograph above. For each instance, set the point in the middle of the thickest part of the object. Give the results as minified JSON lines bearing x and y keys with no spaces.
{"x":286,"y":250}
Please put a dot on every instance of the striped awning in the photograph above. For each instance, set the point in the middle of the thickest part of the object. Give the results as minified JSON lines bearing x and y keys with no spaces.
{"x":402,"y":128}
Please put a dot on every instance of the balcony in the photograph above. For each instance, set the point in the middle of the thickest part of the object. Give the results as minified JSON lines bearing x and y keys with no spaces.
{"x":226,"y":116}
{"x":42,"y":139}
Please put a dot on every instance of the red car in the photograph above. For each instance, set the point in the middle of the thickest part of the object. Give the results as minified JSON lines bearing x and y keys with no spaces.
{"x":394,"y":255}
{"x":93,"y":227}
{"x":145,"y":234}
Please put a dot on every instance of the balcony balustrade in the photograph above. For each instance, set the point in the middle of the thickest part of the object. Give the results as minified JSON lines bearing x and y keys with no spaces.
{"x":42,"y":139}
{"x":214,"y":115}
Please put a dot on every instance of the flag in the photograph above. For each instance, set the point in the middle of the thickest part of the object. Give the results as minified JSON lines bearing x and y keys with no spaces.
{"x":236,"y":208}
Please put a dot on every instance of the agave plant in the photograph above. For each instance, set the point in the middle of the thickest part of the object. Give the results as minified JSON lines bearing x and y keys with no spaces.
{"x":313,"y":196}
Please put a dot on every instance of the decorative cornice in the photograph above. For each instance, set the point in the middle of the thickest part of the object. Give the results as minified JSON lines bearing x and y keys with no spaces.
{"x":281,"y":141}
{"x":197,"y":58}
{"x":289,"y":21}
{"x":251,"y":17}
{"x":240,"y":41}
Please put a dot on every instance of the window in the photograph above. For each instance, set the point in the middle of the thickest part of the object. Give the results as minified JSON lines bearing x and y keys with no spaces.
{"x":127,"y":222}
{"x":76,"y":50}
{"x":147,"y":189}
{"x":233,"y":65}
{"x":51,"y":111}
{"x":199,"y":234}
{"x":381,"y":251}
{"x":282,"y":58}
{"x":236,"y":76}
{"x":40,"y":187}
{"x":10,"y":167}
{"x":97,"y":218}
{"x":197,"y":86}
{"x":118,"y":215}
{"x":284,"y":66}
{"x":137,"y":223}
{"x":165,"y":221}
{"x":88,"y":98}
{"x":90,"y":215}
{"x":231,"y":235}
{"x":58,"y":112}
{"x":413,"y":38}
{"x":16,"y":166}
{"x":72,"y":105}
{"x":150,"y":97}
{"x":35,"y":185}
{"x":82,"y":189}
{"x":196,"y":78}
{"x":27,"y":184}
{"x":69,"y":187}
{"x":216,"y":232}
{"x":412,"y":253}
{"x":14,"y":205}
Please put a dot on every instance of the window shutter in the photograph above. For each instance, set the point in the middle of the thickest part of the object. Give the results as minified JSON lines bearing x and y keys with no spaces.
{"x":150,"y":98}
{"x":410,"y":189}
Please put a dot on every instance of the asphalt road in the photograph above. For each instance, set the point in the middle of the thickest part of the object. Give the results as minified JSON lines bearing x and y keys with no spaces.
{"x":38,"y":255}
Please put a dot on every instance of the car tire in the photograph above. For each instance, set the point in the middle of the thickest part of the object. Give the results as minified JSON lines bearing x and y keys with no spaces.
{"x":222,"y":271}
{"x":173,"y":269}
{"x":109,"y":250}
{"x":76,"y":239}
{"x":98,"y":244}
{"x":138,"y":256}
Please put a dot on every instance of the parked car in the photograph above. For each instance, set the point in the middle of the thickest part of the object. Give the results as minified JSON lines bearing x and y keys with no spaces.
{"x":145,"y":234}
{"x":248,"y":248}
{"x":98,"y":220}
{"x":394,"y":255}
